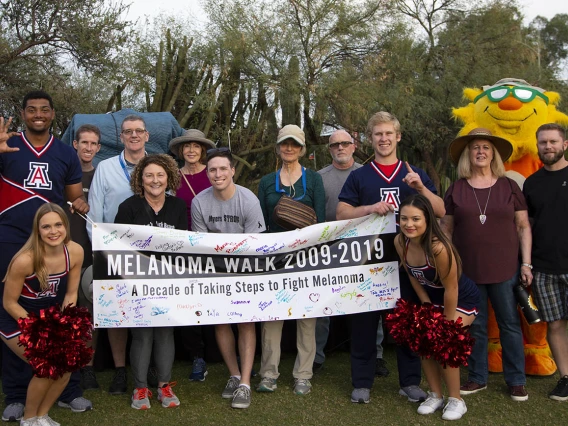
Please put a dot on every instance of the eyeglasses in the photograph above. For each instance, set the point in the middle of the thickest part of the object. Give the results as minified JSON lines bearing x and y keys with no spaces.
{"x":523,"y":94}
{"x":129,"y":132}
{"x":344,"y":144}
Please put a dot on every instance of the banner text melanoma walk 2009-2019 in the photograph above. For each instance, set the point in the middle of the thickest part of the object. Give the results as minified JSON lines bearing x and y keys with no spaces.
{"x":151,"y":277}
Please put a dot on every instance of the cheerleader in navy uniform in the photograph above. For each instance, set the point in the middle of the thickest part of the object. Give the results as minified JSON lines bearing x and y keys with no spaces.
{"x":434,"y":268}
{"x":44,"y":272}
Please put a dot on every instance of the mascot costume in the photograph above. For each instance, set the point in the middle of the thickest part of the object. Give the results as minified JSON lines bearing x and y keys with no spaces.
{"x":513,"y":109}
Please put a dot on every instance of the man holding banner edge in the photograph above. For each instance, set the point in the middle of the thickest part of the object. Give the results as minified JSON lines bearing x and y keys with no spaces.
{"x":379,"y":187}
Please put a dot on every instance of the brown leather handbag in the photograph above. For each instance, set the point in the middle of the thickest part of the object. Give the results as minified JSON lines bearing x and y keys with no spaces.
{"x":291,"y":214}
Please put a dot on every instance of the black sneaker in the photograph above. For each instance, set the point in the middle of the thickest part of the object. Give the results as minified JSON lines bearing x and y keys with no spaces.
{"x":88,"y":379}
{"x":381,"y":369}
{"x":316,"y":367}
{"x":560,"y":392}
{"x":118,"y":385}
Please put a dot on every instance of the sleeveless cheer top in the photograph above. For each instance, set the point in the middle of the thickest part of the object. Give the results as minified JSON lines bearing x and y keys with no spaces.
{"x":34,"y":299}
{"x":468,"y":293}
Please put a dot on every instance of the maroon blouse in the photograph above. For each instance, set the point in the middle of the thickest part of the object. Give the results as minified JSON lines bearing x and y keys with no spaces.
{"x":489,"y":251}
{"x":199,"y":182}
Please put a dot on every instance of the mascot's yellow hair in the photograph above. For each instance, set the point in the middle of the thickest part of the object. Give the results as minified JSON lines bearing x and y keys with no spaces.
{"x":510,"y":119}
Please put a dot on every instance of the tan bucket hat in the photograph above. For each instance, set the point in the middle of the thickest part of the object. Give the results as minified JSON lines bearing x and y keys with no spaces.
{"x":190,"y":135}
{"x":503,"y":146}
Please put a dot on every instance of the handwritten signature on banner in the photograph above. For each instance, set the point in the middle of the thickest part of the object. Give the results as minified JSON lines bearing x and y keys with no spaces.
{"x":328,"y":231}
{"x":184,"y":278}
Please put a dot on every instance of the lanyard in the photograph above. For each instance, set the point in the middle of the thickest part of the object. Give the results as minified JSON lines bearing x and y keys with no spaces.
{"x":123,"y":165}
{"x":284,"y":192}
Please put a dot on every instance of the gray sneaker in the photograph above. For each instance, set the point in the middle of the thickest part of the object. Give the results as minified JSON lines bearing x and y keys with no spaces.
{"x":241,"y":397}
{"x":302,"y":386}
{"x":413,"y":393}
{"x":267,"y":385}
{"x":13,"y":412}
{"x":141,"y":399}
{"x":230,"y":388}
{"x":78,"y":405}
{"x":167,"y":396}
{"x":361,"y":395}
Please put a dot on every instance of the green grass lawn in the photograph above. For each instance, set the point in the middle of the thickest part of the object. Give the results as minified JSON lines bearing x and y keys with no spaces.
{"x":327,"y":404}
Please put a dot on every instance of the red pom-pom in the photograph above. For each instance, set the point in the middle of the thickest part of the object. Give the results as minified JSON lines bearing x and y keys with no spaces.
{"x":428,"y":333}
{"x":401,"y":324}
{"x":55,"y":340}
{"x":455,"y":345}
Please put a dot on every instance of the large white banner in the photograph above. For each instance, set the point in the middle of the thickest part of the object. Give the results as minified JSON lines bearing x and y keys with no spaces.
{"x":150,"y":277}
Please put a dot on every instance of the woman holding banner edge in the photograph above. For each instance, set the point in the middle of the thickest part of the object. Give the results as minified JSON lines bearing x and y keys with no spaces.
{"x":306,"y":186}
{"x":43,"y":273}
{"x":151,"y":206}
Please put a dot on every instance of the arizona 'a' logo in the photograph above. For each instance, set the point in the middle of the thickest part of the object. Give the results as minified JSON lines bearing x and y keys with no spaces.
{"x":391,"y":196}
{"x":51,"y":290}
{"x":38,"y":177}
{"x":419,"y":275}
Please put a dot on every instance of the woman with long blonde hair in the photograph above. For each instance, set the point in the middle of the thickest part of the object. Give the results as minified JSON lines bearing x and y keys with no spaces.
{"x":43,"y":273}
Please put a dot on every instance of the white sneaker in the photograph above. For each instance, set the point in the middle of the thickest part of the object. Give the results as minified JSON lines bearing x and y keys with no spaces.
{"x":32,"y":421}
{"x":454,"y":409}
{"x":431,"y":405}
{"x":45,"y":420}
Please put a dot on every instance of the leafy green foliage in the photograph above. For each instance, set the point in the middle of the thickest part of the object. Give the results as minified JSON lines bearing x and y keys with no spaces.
{"x":45,"y":40}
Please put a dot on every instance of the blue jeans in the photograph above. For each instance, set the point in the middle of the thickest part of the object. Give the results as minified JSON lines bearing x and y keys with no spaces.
{"x":508,"y":321}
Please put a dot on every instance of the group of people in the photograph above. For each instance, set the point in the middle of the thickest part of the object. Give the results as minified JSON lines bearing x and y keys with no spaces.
{"x":456,"y":253}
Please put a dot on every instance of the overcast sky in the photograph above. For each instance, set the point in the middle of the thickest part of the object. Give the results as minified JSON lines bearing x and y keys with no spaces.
{"x":141,"y":8}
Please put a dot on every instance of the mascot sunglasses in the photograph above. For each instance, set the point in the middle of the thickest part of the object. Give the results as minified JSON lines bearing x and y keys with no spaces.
{"x":523,"y":94}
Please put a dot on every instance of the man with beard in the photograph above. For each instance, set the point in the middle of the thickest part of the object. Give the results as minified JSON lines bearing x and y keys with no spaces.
{"x":35,"y":168}
{"x":546,"y":192}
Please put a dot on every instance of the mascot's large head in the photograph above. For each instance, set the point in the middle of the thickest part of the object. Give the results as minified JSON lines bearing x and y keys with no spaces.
{"x":511,"y":109}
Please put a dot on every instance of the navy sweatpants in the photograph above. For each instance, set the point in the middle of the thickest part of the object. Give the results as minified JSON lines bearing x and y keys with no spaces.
{"x":364,"y":348}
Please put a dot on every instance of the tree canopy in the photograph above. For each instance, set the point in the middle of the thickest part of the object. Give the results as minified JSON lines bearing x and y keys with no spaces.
{"x":320,"y":64}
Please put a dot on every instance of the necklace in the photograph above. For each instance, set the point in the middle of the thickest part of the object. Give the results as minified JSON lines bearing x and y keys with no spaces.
{"x":482,"y":216}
